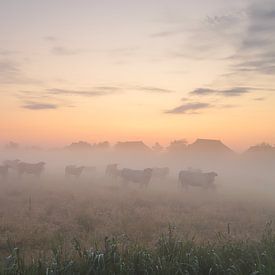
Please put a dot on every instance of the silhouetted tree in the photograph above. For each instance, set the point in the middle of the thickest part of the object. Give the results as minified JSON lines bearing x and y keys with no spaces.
{"x":177,"y":146}
{"x":81,"y":145}
{"x":262,"y":147}
{"x":102,"y":145}
{"x":157,"y":147}
{"x":12,"y":145}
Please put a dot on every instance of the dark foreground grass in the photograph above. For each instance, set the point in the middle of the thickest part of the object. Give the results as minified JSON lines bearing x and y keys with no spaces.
{"x":170,"y":255}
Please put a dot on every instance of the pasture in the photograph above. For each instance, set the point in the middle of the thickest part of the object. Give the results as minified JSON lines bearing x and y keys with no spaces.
{"x":55,"y":220}
{"x":35,"y":213}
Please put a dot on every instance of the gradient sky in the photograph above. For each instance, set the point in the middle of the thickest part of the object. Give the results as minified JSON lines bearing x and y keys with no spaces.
{"x":152,"y":70}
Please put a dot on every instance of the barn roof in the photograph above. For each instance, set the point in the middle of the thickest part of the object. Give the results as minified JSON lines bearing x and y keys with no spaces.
{"x":209,"y":145}
{"x":132,"y":146}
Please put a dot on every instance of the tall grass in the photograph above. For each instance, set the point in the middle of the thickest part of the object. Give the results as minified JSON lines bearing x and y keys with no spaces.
{"x":170,"y":255}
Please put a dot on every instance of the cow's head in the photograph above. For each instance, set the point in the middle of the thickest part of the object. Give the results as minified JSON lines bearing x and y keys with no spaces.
{"x":148,"y":171}
{"x":213,"y":174}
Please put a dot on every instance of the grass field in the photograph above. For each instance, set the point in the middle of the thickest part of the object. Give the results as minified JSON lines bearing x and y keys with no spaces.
{"x":61,"y":227}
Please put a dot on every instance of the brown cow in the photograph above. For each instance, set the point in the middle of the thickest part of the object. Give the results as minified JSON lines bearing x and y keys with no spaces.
{"x":196,"y":178}
{"x":142,"y":177}
{"x":4,"y":171}
{"x":35,"y":169}
{"x":72,"y":170}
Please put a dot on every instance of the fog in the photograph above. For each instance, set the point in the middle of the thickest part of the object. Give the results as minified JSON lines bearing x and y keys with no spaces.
{"x":36,"y":209}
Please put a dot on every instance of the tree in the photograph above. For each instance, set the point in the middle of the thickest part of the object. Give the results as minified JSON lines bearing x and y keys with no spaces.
{"x":81,"y":145}
{"x":157,"y":147}
{"x":12,"y":145}
{"x":177,"y":146}
{"x":102,"y":145}
{"x":262,"y":147}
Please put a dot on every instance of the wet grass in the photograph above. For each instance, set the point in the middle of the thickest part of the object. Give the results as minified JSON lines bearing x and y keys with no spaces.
{"x":169,"y":255}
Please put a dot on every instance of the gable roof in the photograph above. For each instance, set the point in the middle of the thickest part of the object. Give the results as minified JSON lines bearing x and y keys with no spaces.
{"x":132,"y":146}
{"x":208,"y":146}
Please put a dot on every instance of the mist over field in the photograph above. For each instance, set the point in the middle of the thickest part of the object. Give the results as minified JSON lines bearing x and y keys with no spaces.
{"x":36,"y":210}
{"x":137,"y":137}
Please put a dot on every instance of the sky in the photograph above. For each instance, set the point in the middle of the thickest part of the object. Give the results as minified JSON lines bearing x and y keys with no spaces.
{"x":151,"y":70}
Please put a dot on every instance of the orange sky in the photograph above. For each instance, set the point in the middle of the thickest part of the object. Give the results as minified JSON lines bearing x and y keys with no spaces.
{"x":152,"y":71}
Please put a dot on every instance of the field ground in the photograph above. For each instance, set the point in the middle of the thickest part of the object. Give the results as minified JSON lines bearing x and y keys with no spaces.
{"x":37,"y":215}
{"x":35,"y":211}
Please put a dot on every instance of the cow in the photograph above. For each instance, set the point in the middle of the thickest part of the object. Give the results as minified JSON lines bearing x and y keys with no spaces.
{"x":72,"y":170}
{"x":197,"y":178}
{"x":112,"y":170}
{"x":160,"y":173}
{"x":4,"y":171}
{"x":142,"y":177}
{"x":12,"y":164}
{"x":90,"y":169}
{"x":35,"y":169}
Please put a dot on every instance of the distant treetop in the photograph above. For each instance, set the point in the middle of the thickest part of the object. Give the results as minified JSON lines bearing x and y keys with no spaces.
{"x":262,"y":147}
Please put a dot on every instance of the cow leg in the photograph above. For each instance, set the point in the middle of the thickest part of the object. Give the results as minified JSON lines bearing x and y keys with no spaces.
{"x":186,"y":187}
{"x":125,"y":182}
{"x":20,"y":174}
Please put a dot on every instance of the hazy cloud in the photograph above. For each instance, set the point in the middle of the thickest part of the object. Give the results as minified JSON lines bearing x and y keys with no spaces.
{"x":65,"y":51}
{"x":124,"y":51}
{"x":203,"y":91}
{"x":226,"y":106}
{"x":8,"y":67}
{"x":257,"y":50}
{"x":228,"y":20}
{"x":259,"y":98}
{"x":189,"y":108}
{"x":236,"y":91}
{"x":50,"y":38}
{"x":31,"y":95}
{"x":218,"y":36}
{"x":165,"y":33}
{"x":156,"y":90}
{"x":7,"y":52}
{"x":10,"y":73}
{"x":97,"y":91}
{"x":39,"y":106}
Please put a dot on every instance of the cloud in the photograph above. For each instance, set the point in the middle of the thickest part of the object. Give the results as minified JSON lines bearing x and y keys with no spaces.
{"x":259,"y":98}
{"x":39,"y":106}
{"x":226,"y":106}
{"x":11,"y":73}
{"x":124,"y":51}
{"x":256,"y":53}
{"x":63,"y":51}
{"x":8,"y":67}
{"x":31,"y":95}
{"x":203,"y":91}
{"x":165,"y":33}
{"x":51,"y":38}
{"x":55,"y":98}
{"x":97,"y":91}
{"x":156,"y":90}
{"x":227,"y":20}
{"x":38,"y":100}
{"x":218,"y":36}
{"x":7,"y":52}
{"x":236,"y":91}
{"x":189,"y":108}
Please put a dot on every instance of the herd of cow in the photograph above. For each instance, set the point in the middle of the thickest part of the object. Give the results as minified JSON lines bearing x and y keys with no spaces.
{"x":186,"y":178}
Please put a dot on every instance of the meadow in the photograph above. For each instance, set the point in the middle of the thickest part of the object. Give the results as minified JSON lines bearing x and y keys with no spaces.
{"x":95,"y":225}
